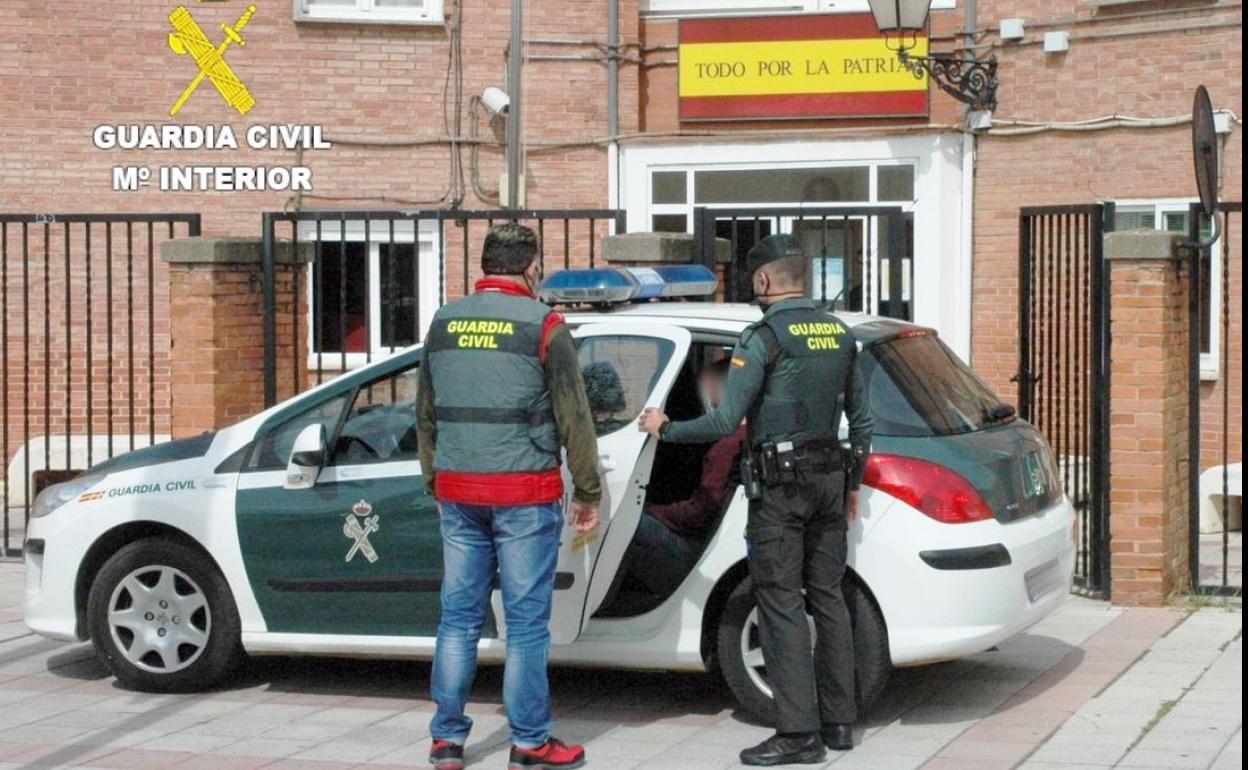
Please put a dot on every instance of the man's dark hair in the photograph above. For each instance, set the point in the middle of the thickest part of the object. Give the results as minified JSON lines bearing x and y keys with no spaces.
{"x":789,"y":271}
{"x":509,"y":250}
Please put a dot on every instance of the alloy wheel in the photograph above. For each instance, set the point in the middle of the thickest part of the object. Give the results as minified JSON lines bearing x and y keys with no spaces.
{"x":159,"y":619}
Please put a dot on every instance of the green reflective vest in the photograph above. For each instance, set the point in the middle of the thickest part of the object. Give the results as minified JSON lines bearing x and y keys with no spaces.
{"x":810,"y":359}
{"x":492,"y":403}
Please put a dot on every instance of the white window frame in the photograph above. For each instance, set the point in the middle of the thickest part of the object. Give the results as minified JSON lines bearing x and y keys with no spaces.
{"x":941,"y":282}
{"x":367,"y":12}
{"x":1210,"y":363}
{"x":660,"y":8}
{"x":428,"y":256}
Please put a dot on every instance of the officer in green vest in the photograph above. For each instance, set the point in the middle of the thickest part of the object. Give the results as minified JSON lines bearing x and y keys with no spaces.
{"x":792,"y":376}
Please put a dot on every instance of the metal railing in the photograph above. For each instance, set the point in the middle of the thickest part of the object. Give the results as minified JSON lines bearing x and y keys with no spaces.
{"x":862,"y":256}
{"x":1063,"y":371}
{"x":1210,"y":423}
{"x":368,"y":284}
{"x":84,"y":343}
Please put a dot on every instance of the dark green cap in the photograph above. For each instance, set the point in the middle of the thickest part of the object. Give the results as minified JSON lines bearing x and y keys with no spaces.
{"x":770,"y":249}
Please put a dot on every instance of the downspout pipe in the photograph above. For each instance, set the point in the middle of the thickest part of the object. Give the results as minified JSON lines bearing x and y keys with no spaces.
{"x":515,"y":61}
{"x":613,"y":68}
{"x":613,"y":102}
{"x":969,"y":141}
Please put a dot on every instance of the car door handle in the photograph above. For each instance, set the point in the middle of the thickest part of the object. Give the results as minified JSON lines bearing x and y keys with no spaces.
{"x":606,"y":462}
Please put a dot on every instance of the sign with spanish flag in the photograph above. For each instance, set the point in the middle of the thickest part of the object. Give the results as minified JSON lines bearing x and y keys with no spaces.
{"x":801,"y":66}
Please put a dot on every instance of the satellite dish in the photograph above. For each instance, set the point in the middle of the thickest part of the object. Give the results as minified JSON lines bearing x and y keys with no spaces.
{"x":1205,"y":158}
{"x":1205,"y":151}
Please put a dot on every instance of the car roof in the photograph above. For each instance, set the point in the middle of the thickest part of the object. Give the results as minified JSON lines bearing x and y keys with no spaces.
{"x":734,"y":315}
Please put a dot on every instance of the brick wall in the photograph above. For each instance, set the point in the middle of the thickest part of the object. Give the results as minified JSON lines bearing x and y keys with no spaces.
{"x":1148,"y":436}
{"x":1118,"y":64}
{"x":67,"y":66}
{"x":217,"y":333}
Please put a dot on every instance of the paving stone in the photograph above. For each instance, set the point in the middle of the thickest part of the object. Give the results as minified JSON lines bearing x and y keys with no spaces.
{"x":1174,"y":759}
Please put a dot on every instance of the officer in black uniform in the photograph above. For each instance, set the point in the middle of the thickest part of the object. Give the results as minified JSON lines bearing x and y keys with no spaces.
{"x":792,"y":375}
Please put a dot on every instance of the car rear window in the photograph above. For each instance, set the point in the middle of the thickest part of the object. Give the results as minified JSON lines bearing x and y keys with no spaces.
{"x":918,"y":387}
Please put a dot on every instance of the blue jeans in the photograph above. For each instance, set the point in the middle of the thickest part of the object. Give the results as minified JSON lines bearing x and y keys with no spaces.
{"x":521,"y":545}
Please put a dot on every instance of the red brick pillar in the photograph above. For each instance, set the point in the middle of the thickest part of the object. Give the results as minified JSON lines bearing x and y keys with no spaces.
{"x":216,"y":300}
{"x":1148,"y":417}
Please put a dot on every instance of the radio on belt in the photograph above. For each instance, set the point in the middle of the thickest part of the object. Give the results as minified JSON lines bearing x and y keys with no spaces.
{"x":608,"y":285}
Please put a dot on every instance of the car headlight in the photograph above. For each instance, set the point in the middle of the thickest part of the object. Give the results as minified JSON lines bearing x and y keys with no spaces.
{"x":55,"y":496}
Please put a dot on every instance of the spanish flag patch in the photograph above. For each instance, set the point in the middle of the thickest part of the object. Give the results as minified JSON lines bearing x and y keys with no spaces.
{"x":738,"y":361}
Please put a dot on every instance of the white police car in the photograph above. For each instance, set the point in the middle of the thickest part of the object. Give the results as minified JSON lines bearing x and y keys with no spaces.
{"x":306,"y":529}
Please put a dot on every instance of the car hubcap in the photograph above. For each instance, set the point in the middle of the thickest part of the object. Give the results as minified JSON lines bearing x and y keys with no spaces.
{"x":158,"y":618}
{"x":752,"y":651}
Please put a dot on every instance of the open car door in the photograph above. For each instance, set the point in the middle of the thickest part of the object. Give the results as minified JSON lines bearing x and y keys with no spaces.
{"x":627,"y":367}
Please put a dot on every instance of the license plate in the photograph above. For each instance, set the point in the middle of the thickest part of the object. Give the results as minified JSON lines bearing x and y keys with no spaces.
{"x":1043,"y":580}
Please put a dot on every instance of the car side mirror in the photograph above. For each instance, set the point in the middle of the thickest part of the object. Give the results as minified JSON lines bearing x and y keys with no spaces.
{"x":306,"y":458}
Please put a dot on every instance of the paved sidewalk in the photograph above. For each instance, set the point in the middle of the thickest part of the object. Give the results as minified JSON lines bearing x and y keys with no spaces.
{"x":1090,"y":687}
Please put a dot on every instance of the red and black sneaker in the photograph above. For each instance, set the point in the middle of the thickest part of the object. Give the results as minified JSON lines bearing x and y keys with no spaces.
{"x":444,"y":755}
{"x":551,"y":755}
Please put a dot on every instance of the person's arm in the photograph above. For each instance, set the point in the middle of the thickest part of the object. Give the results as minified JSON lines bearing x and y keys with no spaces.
{"x":745,"y":380}
{"x":693,"y":513}
{"x":426,"y":421}
{"x":858,"y":413}
{"x":572,"y":416}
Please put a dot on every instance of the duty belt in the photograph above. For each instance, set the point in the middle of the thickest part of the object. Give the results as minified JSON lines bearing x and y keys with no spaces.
{"x":782,"y":462}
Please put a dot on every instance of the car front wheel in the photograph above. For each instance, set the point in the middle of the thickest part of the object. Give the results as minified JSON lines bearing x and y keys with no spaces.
{"x":162,"y":618}
{"x":741,"y":661}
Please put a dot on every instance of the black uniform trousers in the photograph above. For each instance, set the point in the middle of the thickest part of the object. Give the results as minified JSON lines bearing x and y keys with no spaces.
{"x":797,"y":539}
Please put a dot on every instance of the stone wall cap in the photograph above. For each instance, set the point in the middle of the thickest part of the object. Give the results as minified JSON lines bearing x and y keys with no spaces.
{"x":658,"y":248}
{"x":1143,"y":244}
{"x":231,"y":250}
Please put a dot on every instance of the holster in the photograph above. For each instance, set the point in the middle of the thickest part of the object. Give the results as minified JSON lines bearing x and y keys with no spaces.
{"x":749,"y":477}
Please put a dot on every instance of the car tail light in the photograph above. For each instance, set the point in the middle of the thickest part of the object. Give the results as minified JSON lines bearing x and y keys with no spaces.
{"x":938,"y":492}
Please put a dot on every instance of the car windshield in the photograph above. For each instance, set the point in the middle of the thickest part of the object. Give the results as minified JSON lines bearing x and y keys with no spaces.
{"x":918,"y":387}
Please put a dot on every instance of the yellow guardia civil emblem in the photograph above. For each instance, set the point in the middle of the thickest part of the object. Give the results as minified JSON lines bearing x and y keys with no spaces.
{"x":361,"y":523}
{"x":188,"y":38}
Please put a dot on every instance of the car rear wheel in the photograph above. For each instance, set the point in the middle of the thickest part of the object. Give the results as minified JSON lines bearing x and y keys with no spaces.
{"x":162,"y":618}
{"x":741,"y":661}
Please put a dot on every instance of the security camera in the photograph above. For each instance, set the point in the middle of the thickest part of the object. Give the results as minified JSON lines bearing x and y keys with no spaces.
{"x":496,"y":101}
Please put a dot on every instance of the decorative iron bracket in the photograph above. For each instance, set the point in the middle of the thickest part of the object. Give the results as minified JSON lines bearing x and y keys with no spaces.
{"x":968,"y":80}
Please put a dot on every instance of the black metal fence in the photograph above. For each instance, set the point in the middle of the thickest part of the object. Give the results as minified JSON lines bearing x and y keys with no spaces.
{"x":1063,"y":372}
{"x":84,"y":364}
{"x":862,"y":257}
{"x":1215,"y":413}
{"x":376,"y":276}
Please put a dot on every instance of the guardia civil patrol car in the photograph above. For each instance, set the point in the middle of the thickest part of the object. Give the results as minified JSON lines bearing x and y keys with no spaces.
{"x":307,"y":529}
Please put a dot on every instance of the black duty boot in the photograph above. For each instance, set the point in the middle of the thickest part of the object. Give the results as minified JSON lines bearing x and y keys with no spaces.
{"x":786,"y":750}
{"x":839,"y":737}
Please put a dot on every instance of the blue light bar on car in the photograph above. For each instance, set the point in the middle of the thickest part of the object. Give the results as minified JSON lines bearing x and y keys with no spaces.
{"x":608,"y":285}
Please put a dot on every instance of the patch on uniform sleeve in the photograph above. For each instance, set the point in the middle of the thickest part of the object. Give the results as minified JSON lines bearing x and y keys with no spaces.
{"x":738,"y":361}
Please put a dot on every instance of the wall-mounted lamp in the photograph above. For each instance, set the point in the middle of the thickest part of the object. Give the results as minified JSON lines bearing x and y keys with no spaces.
{"x":971,"y":81}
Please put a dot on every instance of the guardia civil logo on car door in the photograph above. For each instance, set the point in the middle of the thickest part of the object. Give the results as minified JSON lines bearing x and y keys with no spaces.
{"x":359,"y":525}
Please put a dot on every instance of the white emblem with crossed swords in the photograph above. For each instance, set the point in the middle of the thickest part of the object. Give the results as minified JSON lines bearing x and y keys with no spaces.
{"x":358,"y":532}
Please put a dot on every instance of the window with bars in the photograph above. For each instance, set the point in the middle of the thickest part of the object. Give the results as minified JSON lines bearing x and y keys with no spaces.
{"x":744,"y":7}
{"x":1174,"y":216}
{"x":384,"y":11}
{"x":370,"y":289}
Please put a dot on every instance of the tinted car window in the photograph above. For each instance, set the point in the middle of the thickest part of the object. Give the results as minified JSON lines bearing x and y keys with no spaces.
{"x":918,"y":387}
{"x":619,"y":373}
{"x":381,"y":426}
{"x":273,"y":449}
